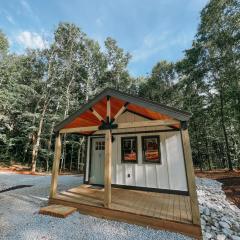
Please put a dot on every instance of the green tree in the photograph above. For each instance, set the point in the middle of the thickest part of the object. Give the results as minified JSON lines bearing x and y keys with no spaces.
{"x":219,"y":38}
{"x":4,"y":45}
{"x":159,"y":85}
{"x":116,"y":75}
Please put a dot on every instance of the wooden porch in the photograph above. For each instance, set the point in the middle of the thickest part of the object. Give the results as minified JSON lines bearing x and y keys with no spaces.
{"x":159,"y":210}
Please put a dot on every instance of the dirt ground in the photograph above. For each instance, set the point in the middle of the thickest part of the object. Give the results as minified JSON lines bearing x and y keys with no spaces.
{"x":16,"y":168}
{"x":229,"y":179}
{"x":19,"y":169}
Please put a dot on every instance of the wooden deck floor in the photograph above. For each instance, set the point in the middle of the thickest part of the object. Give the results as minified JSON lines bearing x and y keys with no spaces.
{"x":159,"y":205}
{"x":151,"y":206}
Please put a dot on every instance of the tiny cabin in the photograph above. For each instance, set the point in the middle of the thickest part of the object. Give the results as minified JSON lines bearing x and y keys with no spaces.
{"x":138,"y":164}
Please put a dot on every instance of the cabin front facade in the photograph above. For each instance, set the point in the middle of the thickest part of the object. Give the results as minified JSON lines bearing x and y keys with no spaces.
{"x":142,"y":159}
{"x":138,"y":165}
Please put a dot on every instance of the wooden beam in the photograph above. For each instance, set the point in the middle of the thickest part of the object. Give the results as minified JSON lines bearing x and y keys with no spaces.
{"x":108,"y":108}
{"x":97,"y":115}
{"x":55,"y":167}
{"x":190,"y":176}
{"x":148,"y":123}
{"x":108,"y":169}
{"x":79,"y":129}
{"x":123,"y":125}
{"x":121,"y":110}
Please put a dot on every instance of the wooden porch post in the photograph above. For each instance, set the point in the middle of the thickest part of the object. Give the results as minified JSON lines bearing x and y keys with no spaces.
{"x":108,"y":159}
{"x":190,"y":176}
{"x":108,"y":169}
{"x":55,"y":168}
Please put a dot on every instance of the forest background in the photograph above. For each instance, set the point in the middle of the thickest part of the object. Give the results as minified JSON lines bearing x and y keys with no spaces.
{"x":40,"y":88}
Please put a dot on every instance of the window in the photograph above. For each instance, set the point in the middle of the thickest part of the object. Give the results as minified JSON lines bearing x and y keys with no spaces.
{"x":100,"y":145}
{"x":151,"y":149}
{"x":129,"y":149}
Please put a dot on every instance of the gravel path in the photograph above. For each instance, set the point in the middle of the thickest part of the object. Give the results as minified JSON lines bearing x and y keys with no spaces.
{"x":19,"y":218}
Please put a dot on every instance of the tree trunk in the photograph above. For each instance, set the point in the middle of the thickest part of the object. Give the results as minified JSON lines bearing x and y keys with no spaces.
{"x":78,"y":158}
{"x":71,"y":159}
{"x":83,"y":142}
{"x":51,"y":136}
{"x":65,"y":115}
{"x":208,"y":156}
{"x":38,"y":137}
{"x":230,"y":166}
{"x":31,"y":136}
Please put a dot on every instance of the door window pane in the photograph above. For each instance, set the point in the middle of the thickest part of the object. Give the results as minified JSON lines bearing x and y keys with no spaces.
{"x":100,"y":145}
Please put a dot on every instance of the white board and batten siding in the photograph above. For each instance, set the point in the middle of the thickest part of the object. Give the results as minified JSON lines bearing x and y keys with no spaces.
{"x":169,"y":174}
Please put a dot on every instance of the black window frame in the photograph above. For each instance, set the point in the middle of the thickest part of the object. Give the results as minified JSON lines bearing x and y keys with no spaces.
{"x":159,"y":150}
{"x":122,"y":154}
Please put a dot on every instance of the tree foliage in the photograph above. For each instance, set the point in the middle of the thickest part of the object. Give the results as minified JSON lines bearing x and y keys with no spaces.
{"x":42,"y":87}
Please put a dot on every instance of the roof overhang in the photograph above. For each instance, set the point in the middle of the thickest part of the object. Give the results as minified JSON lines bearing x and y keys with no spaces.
{"x":85,"y":117}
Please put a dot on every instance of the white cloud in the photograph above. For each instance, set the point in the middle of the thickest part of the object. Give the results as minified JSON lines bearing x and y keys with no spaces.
{"x":7,"y":15}
{"x":27,"y":10}
{"x":31,"y":40}
{"x":153,"y":44}
{"x":99,"y":22}
{"x":26,"y":6}
{"x":10,"y":19}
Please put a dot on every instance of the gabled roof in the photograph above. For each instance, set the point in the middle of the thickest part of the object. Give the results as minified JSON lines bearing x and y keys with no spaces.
{"x":138,"y":105}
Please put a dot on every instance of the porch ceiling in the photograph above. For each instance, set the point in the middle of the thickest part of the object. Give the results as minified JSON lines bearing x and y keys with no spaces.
{"x":86,"y":118}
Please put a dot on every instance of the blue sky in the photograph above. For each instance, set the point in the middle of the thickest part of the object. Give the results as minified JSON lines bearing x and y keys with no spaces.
{"x":151,"y":30}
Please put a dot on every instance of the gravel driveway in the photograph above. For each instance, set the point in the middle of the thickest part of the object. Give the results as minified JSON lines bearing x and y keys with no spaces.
{"x":19,"y":218}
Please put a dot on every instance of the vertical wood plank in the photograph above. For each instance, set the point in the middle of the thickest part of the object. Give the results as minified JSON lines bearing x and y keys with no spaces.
{"x":55,"y":167}
{"x":108,"y":169}
{"x":190,"y":177}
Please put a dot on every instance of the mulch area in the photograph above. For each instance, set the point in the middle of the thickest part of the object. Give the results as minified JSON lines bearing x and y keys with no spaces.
{"x":229,"y":179}
{"x":19,"y":169}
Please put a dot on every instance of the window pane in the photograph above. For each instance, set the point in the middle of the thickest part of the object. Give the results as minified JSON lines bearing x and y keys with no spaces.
{"x":103,"y":145}
{"x":151,"y":149}
{"x":100,"y":145}
{"x":129,"y":149}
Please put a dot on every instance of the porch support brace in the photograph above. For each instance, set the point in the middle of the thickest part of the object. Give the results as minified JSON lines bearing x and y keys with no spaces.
{"x":190,"y":176}
{"x":108,"y":169}
{"x":121,"y":110}
{"x":55,"y":167}
{"x":96,"y":114}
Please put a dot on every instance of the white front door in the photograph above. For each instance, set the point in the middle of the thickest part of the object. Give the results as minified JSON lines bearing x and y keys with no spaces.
{"x":97,"y":161}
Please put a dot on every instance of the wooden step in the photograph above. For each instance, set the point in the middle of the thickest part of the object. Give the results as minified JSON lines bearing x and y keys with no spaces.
{"x":56,"y":210}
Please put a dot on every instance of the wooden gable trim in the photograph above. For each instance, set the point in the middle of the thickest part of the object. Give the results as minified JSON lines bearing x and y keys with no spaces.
{"x":170,"y":111}
{"x":96,"y":114}
{"x":123,"y":125}
{"x":121,"y":110}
